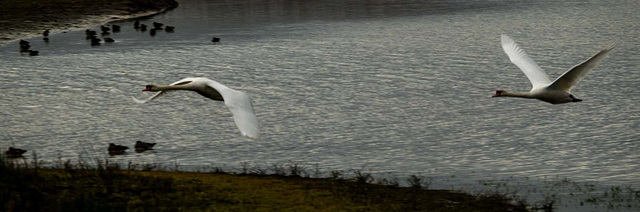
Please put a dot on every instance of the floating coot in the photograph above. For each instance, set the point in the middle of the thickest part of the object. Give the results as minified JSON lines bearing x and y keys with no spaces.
{"x":116,"y":149}
{"x":24,"y":46}
{"x":90,"y":34}
{"x":14,"y":152}
{"x":143,"y":146}
{"x":105,"y":29}
{"x":157,"y":25}
{"x":95,"y":41}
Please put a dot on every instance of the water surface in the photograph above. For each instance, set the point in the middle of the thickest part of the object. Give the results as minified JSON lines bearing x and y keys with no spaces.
{"x":399,"y":87}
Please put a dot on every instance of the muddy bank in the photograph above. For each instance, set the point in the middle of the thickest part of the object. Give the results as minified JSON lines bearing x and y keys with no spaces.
{"x":29,"y":18}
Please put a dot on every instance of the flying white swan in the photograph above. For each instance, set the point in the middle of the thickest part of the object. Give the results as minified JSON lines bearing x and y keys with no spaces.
{"x":556,"y":92}
{"x":238,"y":102}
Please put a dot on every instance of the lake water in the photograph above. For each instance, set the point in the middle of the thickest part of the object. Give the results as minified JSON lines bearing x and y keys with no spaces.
{"x":388,"y":87}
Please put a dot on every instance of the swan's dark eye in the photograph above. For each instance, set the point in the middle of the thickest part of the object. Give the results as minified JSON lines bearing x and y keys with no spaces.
{"x":147,"y":88}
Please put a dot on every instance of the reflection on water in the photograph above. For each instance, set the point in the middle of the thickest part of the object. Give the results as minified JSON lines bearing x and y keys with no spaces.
{"x":400,"y":87}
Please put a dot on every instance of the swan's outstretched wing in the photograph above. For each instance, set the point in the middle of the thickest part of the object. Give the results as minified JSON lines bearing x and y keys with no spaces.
{"x":240,"y":106}
{"x":571,"y":77}
{"x":518,"y":57}
{"x":158,"y":94}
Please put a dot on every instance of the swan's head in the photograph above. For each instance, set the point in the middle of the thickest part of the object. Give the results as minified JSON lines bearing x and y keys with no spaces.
{"x":499,"y":93}
{"x":149,"y":88}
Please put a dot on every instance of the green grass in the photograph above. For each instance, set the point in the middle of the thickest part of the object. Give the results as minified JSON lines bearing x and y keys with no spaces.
{"x":109,"y":187}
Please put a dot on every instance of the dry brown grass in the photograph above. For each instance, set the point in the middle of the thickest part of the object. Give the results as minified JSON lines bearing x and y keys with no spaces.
{"x":109,"y":187}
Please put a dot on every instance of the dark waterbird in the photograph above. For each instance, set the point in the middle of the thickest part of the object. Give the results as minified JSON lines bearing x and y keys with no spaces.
{"x":33,"y":53}
{"x":14,"y":152}
{"x":143,"y":146}
{"x":143,"y":27}
{"x":90,"y":34}
{"x":152,"y":32}
{"x":105,"y":28}
{"x":109,"y":40}
{"x":215,"y":40}
{"x":157,"y":25}
{"x":115,"y":149}
{"x":115,"y":28}
{"x":169,"y":28}
{"x":24,"y":46}
{"x":45,"y":33}
{"x":136,"y":25}
{"x":95,"y":41}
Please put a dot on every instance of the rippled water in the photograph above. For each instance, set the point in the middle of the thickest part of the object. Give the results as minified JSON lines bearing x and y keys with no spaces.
{"x":392,"y":86}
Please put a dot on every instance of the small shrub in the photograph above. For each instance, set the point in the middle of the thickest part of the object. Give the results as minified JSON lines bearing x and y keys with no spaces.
{"x":362,"y":177}
{"x":336,"y":175}
{"x":296,"y":170}
{"x":415,"y":181}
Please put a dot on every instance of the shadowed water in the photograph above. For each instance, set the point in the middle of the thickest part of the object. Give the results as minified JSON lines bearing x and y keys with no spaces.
{"x":402,"y":87}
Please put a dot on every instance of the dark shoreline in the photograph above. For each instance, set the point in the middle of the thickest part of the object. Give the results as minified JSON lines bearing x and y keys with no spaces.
{"x":109,"y":186}
{"x":21,"y":19}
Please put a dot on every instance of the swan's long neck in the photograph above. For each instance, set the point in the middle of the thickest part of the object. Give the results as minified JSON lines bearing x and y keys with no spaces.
{"x":517,"y":94}
{"x":172,"y":87}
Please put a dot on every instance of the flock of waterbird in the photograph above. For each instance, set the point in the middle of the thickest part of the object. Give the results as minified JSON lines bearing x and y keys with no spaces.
{"x":140,"y":147}
{"x":92,"y":35}
{"x":239,"y":103}
{"x":113,"y":149}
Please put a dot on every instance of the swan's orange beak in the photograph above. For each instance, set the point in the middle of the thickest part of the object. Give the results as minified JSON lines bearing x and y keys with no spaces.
{"x":146,"y":89}
{"x":498,"y":93}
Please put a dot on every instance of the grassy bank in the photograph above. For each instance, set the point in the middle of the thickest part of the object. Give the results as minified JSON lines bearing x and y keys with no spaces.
{"x":109,"y":187}
{"x":28,"y":18}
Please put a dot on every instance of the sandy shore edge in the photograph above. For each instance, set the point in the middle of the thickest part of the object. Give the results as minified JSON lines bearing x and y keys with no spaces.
{"x":24,"y":28}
